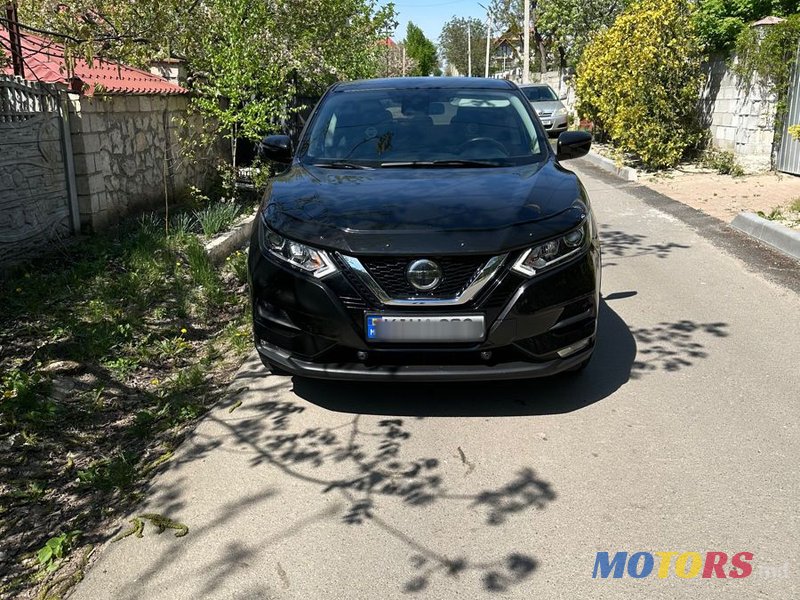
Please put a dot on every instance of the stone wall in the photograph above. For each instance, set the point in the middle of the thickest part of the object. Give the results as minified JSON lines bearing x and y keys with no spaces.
{"x":740,"y":117}
{"x":128,"y":155}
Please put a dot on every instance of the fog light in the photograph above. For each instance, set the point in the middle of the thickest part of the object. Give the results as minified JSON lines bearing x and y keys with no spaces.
{"x":362,"y":356}
{"x":486,"y":355}
{"x":572,"y":349}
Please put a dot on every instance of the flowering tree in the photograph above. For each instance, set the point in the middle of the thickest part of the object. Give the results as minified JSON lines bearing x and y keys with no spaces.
{"x":246,"y":57}
{"x":640,"y":81}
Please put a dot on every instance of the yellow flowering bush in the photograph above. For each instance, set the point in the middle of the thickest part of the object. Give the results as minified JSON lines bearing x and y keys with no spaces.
{"x":639,"y":81}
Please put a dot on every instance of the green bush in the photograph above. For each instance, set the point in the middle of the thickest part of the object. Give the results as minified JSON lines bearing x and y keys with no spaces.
{"x":722,"y":162}
{"x":639,"y":81}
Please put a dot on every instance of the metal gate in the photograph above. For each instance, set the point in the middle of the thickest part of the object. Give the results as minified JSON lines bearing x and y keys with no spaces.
{"x":789,"y":152}
{"x":38,"y":201}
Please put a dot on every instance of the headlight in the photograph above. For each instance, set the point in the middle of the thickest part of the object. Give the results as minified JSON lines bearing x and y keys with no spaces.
{"x":553,"y":252}
{"x":316,"y":262}
{"x":561,"y":111}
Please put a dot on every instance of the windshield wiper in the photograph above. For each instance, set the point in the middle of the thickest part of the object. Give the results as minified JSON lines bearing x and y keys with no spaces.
{"x":433,"y":164}
{"x":342,"y":164}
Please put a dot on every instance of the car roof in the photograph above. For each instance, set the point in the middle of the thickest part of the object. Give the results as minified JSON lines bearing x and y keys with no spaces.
{"x":533,"y":85}
{"x":402,"y":83}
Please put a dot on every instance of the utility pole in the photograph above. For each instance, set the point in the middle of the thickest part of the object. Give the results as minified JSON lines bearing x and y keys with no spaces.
{"x":469,"y":49}
{"x":488,"y":41}
{"x":526,"y":45}
{"x":14,"y":39}
{"x":404,"y":60}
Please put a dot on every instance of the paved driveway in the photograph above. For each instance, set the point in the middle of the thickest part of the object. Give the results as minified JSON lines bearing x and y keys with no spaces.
{"x":682,"y":435}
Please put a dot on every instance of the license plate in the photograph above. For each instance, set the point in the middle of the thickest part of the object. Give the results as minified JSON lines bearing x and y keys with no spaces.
{"x":432,"y":329}
{"x":547,"y":122}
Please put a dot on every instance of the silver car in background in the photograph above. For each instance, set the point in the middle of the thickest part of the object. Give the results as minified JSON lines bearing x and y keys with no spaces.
{"x":552,"y":112}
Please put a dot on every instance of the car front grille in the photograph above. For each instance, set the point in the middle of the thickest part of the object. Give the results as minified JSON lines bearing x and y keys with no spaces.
{"x":545,"y":113}
{"x":390,"y":273}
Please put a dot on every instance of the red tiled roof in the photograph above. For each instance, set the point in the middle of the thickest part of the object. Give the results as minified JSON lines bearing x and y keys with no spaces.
{"x":44,"y":61}
{"x":387,"y":42}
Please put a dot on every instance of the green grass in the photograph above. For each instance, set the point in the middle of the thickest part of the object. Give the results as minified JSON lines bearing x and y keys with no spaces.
{"x":183,"y":224}
{"x":217,"y":217}
{"x":774,"y":214}
{"x":118,"y":472}
{"x":238,"y":265}
{"x":146,"y":330}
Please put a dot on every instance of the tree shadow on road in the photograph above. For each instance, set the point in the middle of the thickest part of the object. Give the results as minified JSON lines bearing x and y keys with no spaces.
{"x":367,"y":463}
{"x":617,"y":245}
{"x":362,"y":461}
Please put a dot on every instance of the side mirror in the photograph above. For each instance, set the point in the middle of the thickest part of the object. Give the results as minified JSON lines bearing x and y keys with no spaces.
{"x":277,"y":148}
{"x":563,"y":96}
{"x":573,"y":144}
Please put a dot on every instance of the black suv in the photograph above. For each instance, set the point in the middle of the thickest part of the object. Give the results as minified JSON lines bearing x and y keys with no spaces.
{"x":424,"y":230}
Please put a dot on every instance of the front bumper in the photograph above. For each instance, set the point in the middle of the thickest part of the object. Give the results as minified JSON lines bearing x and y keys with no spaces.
{"x":555,"y":124}
{"x":419,"y":373}
{"x":315,"y":328}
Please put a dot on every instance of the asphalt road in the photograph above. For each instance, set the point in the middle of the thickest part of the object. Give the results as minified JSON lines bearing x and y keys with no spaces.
{"x":682,"y":435}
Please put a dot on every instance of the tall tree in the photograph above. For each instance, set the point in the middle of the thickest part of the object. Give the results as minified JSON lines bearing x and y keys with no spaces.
{"x":246,"y":56}
{"x":454,"y":44}
{"x":422,"y":50}
{"x":571,"y":24}
{"x":510,"y":17}
{"x":560,"y":29}
{"x":719,"y":22}
{"x":130,"y":32}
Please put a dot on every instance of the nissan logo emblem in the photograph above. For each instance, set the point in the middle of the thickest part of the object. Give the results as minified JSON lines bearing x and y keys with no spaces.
{"x":424,"y":274}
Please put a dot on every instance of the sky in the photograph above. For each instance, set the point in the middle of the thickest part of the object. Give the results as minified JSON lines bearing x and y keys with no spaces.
{"x":431,"y":15}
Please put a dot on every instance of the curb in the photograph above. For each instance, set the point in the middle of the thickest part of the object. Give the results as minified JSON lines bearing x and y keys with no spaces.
{"x":224,"y":244}
{"x":758,"y":257}
{"x":773,"y":234}
{"x":625,"y":173}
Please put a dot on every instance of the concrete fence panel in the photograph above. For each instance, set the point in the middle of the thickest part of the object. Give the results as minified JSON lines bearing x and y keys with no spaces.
{"x":36,"y":183}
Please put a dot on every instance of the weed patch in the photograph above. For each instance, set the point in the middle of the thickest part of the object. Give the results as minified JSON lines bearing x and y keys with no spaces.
{"x":217,"y":217}
{"x":104,"y":361}
{"x":722,"y":162}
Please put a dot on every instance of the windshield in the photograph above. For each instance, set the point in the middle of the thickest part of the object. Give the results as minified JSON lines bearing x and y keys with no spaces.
{"x":422,"y":128}
{"x":540,"y":93}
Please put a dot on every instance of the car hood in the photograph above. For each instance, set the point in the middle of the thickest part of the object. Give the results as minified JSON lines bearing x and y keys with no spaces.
{"x":548,"y":106}
{"x":403,"y":210}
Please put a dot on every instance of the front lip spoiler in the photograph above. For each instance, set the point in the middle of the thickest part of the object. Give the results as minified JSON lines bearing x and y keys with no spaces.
{"x":419,"y":373}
